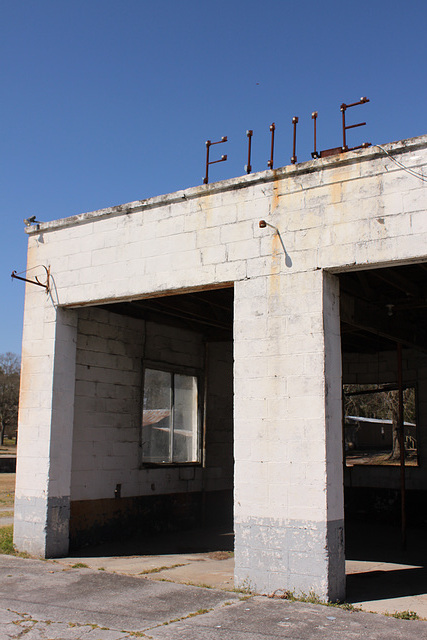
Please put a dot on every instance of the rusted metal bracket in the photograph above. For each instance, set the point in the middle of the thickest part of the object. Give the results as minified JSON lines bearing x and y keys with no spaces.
{"x":222,"y":159}
{"x":294,"y":147}
{"x":36,"y":281}
{"x":315,"y":153}
{"x":401,"y":432}
{"x":248,"y":167}
{"x":343,"y":108}
{"x":272,"y":129}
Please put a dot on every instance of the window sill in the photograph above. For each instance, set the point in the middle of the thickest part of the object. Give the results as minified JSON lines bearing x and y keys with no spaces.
{"x":162,"y":465}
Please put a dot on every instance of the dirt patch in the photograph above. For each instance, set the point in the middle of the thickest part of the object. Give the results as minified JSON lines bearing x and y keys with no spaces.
{"x":8,"y":448}
{"x":220,"y":555}
{"x":379,"y":458}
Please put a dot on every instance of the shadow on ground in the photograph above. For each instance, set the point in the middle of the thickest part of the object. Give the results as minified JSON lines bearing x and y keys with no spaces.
{"x":193,"y":541}
{"x":379,"y":567}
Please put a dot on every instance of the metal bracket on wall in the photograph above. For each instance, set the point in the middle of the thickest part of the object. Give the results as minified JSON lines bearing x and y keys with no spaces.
{"x":248,"y":167}
{"x":343,"y":108}
{"x":222,"y":159}
{"x":294,"y":147}
{"x":36,"y":281}
{"x":272,"y":129}
{"x":314,"y":153}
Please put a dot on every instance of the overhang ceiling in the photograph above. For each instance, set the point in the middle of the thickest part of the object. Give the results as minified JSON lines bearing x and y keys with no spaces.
{"x":380,"y":307}
{"x":209,"y":311}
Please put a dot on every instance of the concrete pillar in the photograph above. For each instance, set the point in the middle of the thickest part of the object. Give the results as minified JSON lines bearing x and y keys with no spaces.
{"x":288,"y":453}
{"x":45,"y":431}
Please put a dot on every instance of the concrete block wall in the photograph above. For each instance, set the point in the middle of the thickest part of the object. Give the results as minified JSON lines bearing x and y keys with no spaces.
{"x":284,"y":513}
{"x":42,"y":496}
{"x":219,"y":461}
{"x":111,"y":349}
{"x":351,"y":211}
{"x":107,"y":414}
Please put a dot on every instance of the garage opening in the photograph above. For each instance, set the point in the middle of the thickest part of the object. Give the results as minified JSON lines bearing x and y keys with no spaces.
{"x":384,"y":365}
{"x":153,"y":425}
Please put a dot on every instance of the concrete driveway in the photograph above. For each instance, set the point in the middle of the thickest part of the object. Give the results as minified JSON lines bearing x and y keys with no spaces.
{"x":49,"y":601}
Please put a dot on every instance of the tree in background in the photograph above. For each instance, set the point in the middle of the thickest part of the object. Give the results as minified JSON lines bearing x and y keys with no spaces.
{"x":378,"y":403}
{"x":9,"y":394}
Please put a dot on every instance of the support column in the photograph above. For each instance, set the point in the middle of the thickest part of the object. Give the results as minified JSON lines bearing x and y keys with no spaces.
{"x":288,"y":440}
{"x":333,"y":438}
{"x":45,"y":428}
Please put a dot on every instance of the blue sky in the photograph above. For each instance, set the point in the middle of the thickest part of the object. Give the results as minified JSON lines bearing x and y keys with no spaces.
{"x":108,"y":101}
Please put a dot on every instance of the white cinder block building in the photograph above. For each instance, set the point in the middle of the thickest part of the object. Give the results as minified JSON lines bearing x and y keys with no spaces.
{"x":186,"y":364}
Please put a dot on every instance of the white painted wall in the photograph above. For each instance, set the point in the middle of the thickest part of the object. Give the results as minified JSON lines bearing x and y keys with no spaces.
{"x":354,"y":210}
{"x":106,"y":444}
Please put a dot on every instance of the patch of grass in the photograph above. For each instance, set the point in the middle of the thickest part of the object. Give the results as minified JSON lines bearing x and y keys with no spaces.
{"x":6,"y":540}
{"x":312,"y":598}
{"x":92,"y":625}
{"x":287,"y":594}
{"x":242,"y":589}
{"x":199,"y":612}
{"x":347,"y":606}
{"x":164,"y":568}
{"x":6,"y":543}
{"x":405,"y":615}
{"x":7,"y":489}
{"x":198,"y":584}
{"x":6,"y":514}
{"x":101,"y":568}
{"x":80,"y":565}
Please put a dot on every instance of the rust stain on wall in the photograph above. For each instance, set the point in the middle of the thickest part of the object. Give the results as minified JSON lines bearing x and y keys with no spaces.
{"x":275,"y":198}
{"x":336,"y":192}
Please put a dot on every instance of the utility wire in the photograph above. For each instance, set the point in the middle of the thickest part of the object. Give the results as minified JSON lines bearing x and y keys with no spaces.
{"x":402,"y":166}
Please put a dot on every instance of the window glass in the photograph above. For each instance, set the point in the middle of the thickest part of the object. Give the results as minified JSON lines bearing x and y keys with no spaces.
{"x":185,"y":418}
{"x":170,"y":420}
{"x":157,"y":416}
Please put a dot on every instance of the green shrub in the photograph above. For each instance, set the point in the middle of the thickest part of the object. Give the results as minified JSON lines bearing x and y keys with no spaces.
{"x":406,"y":615}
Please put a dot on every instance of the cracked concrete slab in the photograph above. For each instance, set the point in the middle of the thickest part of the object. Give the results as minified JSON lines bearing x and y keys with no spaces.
{"x":269,"y":619}
{"x":42,"y":600}
{"x":109,"y":600}
{"x":215,"y":570}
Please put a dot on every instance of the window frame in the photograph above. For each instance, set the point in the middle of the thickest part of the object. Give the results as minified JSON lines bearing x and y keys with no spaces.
{"x":180,"y":370}
{"x":383,"y":388}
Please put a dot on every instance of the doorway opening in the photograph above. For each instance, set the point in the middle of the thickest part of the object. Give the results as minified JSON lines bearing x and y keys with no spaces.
{"x":384,"y":376}
{"x":153,"y":425}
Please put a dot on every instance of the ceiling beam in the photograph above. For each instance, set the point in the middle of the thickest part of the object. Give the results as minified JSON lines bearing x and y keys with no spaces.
{"x":368,"y":317}
{"x":399,"y":282}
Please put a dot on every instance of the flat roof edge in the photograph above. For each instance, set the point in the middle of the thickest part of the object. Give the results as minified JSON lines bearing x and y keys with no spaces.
{"x":240,"y":182}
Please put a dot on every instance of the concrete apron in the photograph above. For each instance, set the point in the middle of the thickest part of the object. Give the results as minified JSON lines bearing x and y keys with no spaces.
{"x":215,"y":570}
{"x":383,"y":587}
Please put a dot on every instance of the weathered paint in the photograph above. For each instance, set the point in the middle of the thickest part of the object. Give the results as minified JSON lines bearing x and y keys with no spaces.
{"x":355,"y":210}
